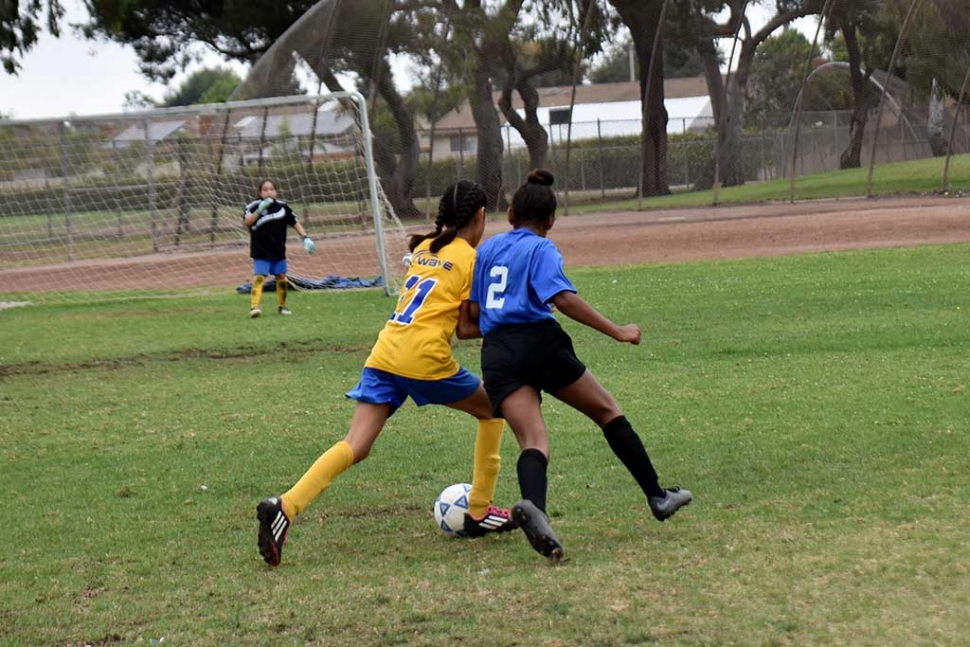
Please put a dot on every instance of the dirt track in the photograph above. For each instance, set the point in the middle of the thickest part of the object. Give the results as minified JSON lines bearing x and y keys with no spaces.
{"x":760,"y":230}
{"x":595,"y":239}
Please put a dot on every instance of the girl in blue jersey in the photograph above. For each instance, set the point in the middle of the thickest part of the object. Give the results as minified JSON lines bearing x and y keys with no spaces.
{"x":412,"y":358}
{"x":518,"y":280}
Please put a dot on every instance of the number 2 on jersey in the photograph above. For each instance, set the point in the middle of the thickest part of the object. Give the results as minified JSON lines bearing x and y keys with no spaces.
{"x":413,"y":297}
{"x":495,"y":297}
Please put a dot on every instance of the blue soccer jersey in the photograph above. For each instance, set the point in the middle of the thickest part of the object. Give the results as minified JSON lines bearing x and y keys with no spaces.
{"x":516,"y":276}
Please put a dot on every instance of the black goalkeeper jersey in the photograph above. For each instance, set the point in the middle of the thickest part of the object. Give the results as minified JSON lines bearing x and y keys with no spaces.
{"x":267,"y":236}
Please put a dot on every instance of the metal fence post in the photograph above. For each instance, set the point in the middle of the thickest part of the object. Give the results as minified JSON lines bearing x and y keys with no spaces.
{"x":213,"y":216}
{"x":66,"y":172}
{"x":600,"y":156}
{"x":117,"y":189}
{"x":150,"y":171}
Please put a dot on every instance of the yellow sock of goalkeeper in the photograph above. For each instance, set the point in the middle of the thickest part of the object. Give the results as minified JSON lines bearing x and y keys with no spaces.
{"x":318,"y":478}
{"x":256,"y":293}
{"x":488,"y":441}
{"x":282,"y":288}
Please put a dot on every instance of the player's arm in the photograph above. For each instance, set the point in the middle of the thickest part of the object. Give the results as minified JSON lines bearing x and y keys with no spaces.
{"x":308,"y":244}
{"x":576,"y":307}
{"x":468,"y":321}
{"x":250,"y":219}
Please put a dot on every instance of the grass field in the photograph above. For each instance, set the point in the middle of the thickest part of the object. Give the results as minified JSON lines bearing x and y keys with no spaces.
{"x":816,"y":405}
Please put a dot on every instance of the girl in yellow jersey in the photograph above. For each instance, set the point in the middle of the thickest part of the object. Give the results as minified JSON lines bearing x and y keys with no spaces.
{"x":412,"y":358}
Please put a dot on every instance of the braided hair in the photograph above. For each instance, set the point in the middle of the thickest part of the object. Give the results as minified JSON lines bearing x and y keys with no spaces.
{"x":458,"y":205}
{"x":535,"y":200}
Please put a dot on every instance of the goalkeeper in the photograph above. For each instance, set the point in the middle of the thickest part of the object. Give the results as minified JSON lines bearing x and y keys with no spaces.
{"x":267,"y":218}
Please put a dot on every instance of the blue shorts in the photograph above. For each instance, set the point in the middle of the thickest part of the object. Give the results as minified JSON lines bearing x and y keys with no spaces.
{"x":263,"y":267}
{"x":380,"y":387}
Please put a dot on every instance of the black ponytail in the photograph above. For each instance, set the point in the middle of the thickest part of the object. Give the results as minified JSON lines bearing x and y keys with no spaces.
{"x":535,"y":200}
{"x":458,"y":205}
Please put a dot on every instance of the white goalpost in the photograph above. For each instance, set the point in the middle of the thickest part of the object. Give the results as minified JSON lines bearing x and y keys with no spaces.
{"x":154,"y":200}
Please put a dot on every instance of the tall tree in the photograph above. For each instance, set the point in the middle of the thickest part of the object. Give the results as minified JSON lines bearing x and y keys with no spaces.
{"x":729,"y":103}
{"x":545,"y":48}
{"x":681,"y":60}
{"x":358,"y":39}
{"x":20,"y":25}
{"x":642,"y":18}
{"x":855,"y":37}
{"x":208,"y":85}
{"x":167,"y":36}
{"x":777,"y":72}
{"x":471,"y":48}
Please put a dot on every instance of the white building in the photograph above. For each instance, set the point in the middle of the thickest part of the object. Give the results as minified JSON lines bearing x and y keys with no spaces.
{"x":601,"y":110}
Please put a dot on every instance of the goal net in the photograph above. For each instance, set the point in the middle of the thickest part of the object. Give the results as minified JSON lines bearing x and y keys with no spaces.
{"x":154,"y":200}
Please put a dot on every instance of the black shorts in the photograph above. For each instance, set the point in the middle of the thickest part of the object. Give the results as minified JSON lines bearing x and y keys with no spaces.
{"x":538,"y":354}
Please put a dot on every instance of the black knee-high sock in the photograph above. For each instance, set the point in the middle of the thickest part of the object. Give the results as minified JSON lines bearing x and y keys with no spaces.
{"x":532,"y":477}
{"x":628,"y":447}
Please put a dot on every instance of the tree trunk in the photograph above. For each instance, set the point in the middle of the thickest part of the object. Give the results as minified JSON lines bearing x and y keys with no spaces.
{"x":730,"y":167}
{"x":489,"y":156}
{"x":396,"y":172}
{"x":715,"y":82}
{"x":402,"y":175}
{"x":535,"y":136}
{"x":730,"y":137}
{"x":642,"y":17}
{"x":851,"y":157}
{"x":934,"y":121}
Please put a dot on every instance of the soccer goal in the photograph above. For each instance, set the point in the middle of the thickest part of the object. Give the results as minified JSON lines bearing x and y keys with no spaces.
{"x":154,"y":200}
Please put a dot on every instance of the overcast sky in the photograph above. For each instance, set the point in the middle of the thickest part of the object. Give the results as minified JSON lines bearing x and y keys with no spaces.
{"x":70,"y":75}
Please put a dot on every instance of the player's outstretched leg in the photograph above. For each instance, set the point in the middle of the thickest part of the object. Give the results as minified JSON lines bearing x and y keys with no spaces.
{"x":673,"y":500}
{"x":495,"y":520}
{"x":274,"y":525}
{"x":535,"y":524}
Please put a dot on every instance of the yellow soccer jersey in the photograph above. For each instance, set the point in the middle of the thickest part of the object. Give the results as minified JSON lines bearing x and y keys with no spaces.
{"x":416,"y":340}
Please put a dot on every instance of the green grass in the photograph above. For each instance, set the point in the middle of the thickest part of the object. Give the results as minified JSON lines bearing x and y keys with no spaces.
{"x":900,"y":178}
{"x":816,"y":405}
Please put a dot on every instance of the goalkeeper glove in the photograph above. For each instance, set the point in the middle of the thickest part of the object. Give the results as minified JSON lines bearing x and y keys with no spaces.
{"x":265,"y":205}
{"x":308,"y":245}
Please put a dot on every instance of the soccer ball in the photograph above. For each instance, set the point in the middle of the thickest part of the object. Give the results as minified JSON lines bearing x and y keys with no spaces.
{"x":450,"y":508}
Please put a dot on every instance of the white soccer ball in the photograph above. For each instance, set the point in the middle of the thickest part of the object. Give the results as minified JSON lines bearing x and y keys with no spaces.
{"x":406,"y":261}
{"x":450,"y":508}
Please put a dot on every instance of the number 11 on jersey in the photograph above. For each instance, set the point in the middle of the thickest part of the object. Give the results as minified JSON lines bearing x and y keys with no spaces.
{"x":412,"y":298}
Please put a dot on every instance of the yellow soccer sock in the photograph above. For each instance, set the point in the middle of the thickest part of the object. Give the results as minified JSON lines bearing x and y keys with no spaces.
{"x":331,"y":464}
{"x":487,"y":463}
{"x":282,"y":287}
{"x":256,"y":293}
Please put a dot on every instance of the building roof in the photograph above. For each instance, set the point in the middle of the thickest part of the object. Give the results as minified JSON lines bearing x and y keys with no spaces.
{"x":561,"y":96}
{"x":329,"y":122}
{"x":157,"y":131}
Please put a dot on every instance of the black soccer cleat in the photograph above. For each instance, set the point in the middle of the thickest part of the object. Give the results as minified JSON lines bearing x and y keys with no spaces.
{"x":495,"y":520}
{"x":535,"y":524}
{"x":673,"y":500}
{"x":274,"y":525}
